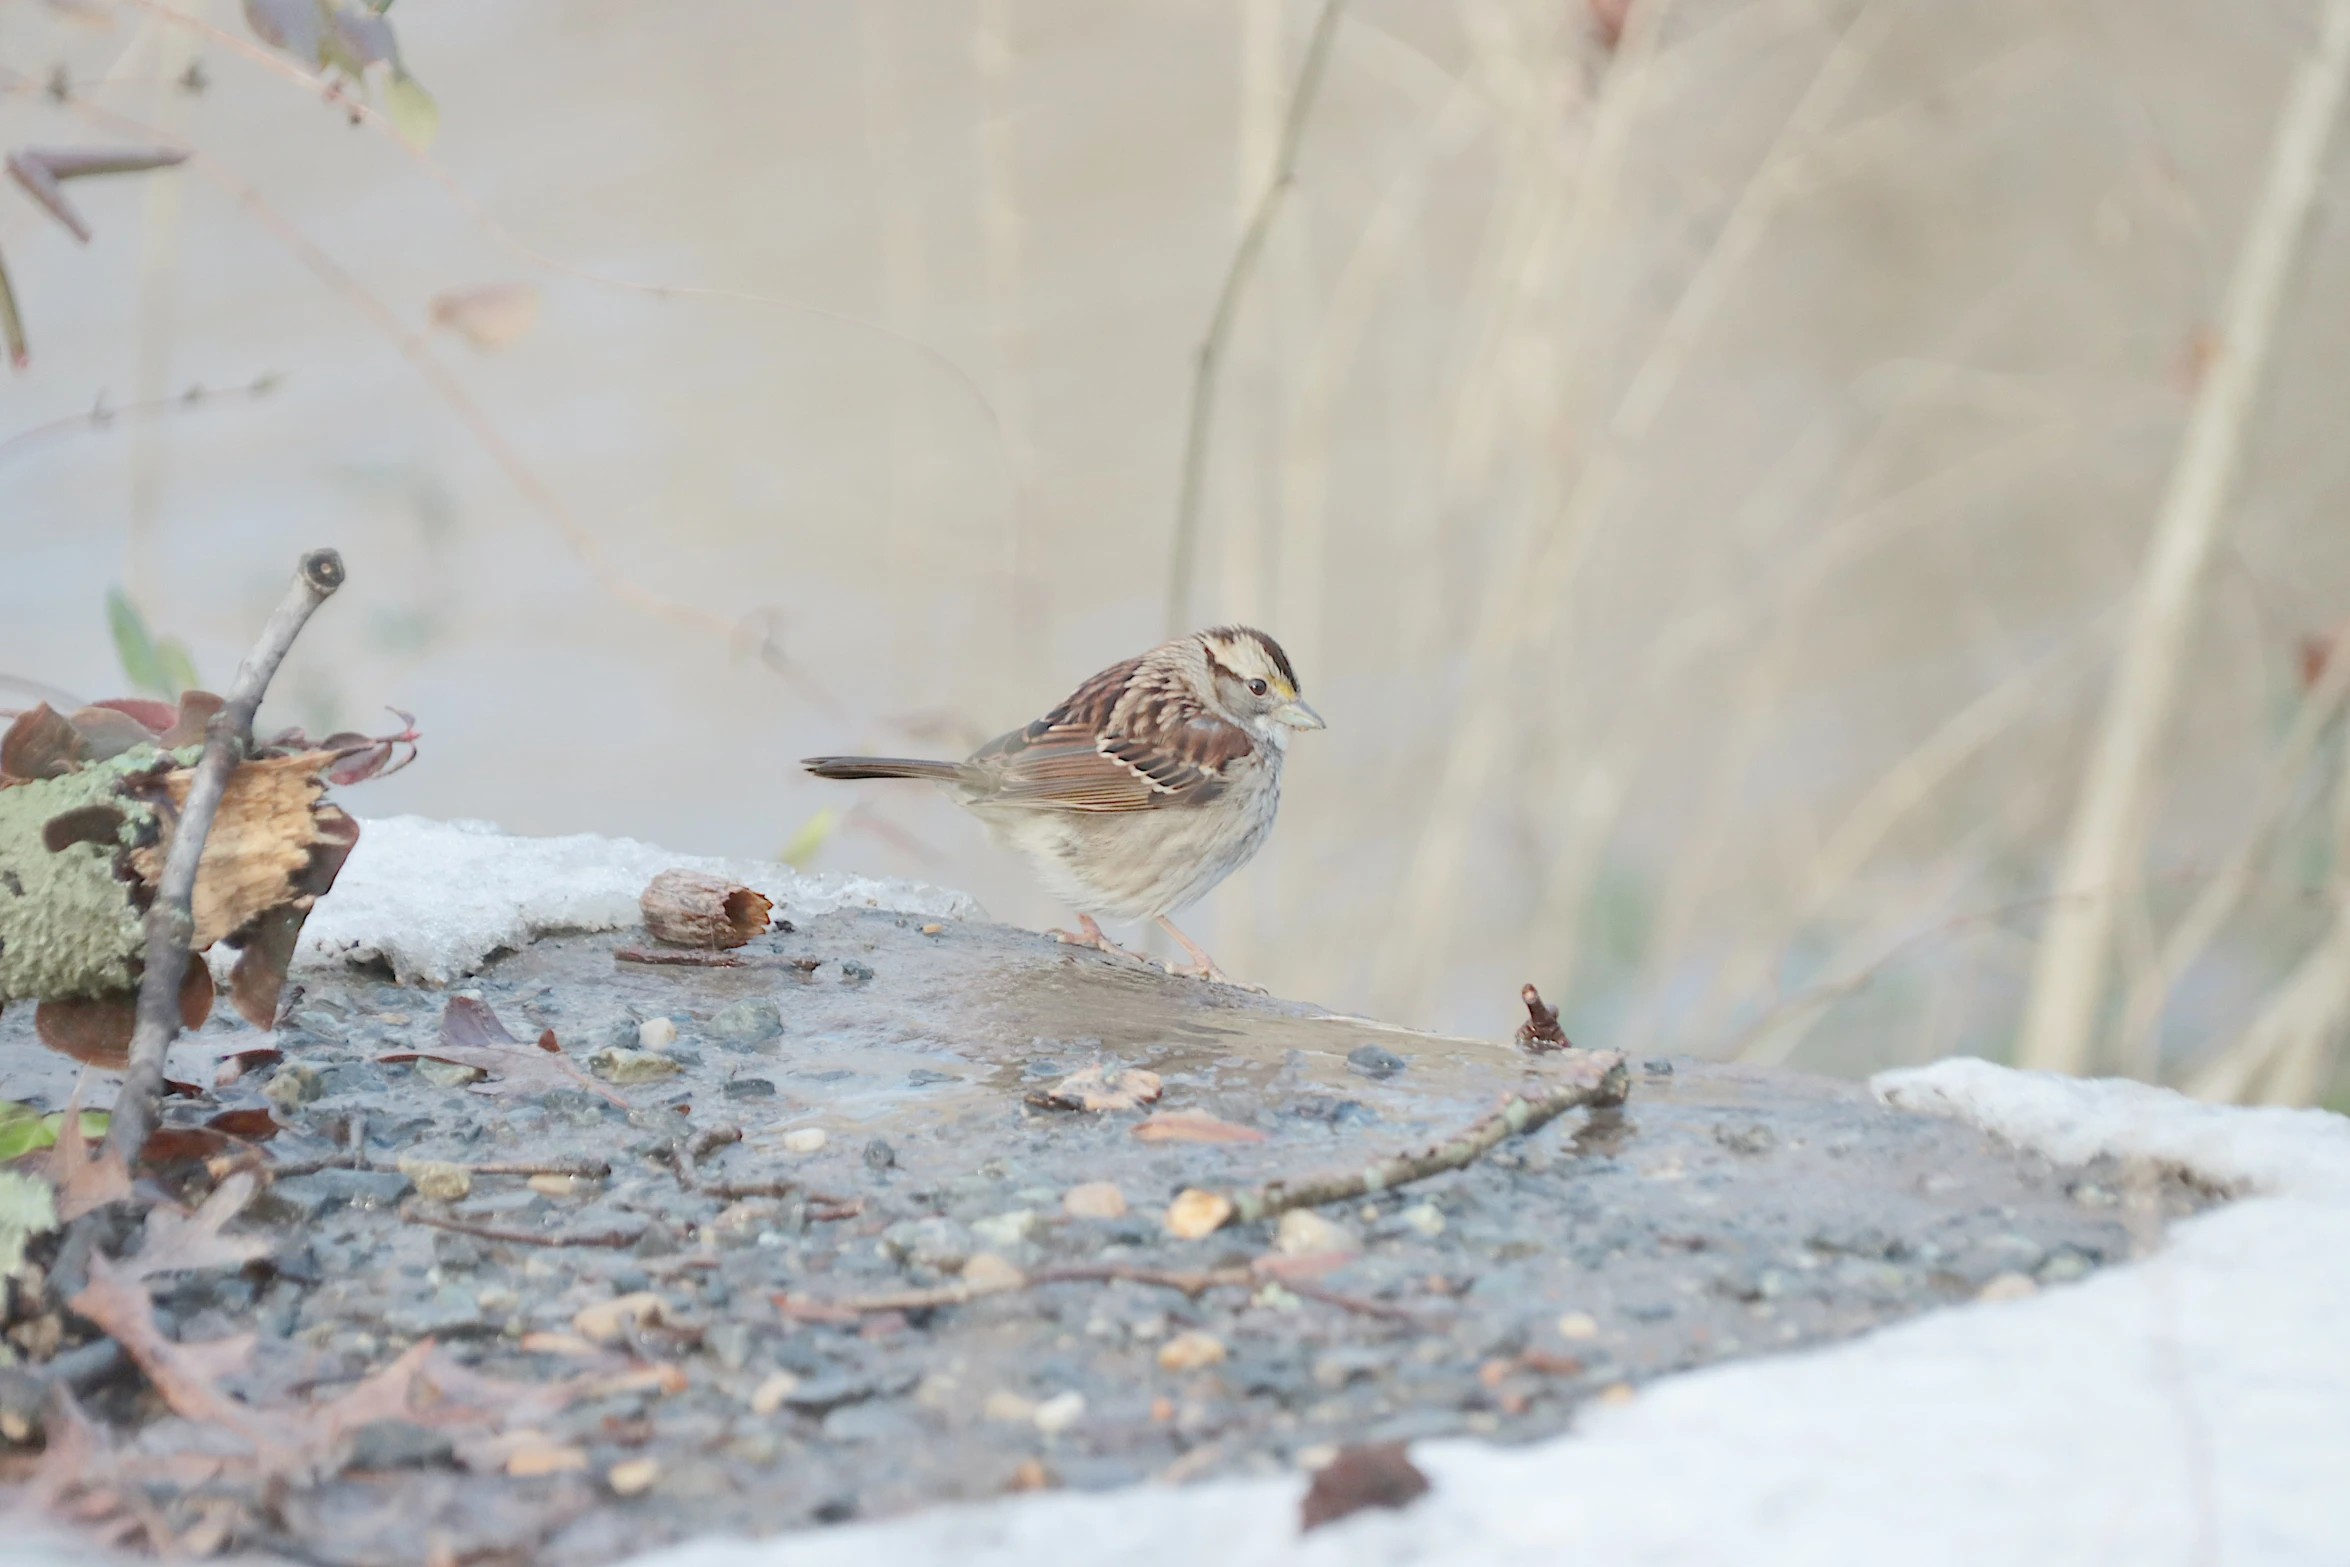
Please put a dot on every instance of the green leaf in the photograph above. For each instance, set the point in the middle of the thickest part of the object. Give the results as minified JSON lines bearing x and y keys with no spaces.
{"x":24,"y":1130}
{"x":414,"y":114}
{"x":27,"y":1208}
{"x":135,"y":647}
{"x":179,"y":669}
{"x":814,"y":833}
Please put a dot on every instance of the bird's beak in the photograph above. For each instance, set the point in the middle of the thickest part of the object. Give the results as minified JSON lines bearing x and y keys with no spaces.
{"x":1297,"y":715}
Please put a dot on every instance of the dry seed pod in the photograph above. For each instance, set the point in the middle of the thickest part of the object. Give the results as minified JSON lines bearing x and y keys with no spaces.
{"x":688,"y":909}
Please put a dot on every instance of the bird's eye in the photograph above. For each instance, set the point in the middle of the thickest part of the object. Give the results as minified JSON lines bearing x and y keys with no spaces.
{"x":1257,"y":687}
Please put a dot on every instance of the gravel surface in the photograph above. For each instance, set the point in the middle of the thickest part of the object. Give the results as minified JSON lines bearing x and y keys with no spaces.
{"x":884,"y":1096}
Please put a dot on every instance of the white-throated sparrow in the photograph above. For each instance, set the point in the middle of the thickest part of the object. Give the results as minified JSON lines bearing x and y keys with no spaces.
{"x":1154,"y":781}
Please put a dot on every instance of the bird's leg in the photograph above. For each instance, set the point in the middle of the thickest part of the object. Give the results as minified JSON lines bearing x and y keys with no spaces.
{"x":1201,"y":966}
{"x":1091,"y":935}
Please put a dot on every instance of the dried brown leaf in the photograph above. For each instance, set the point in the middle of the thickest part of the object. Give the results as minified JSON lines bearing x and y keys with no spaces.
{"x":1360,"y":1477}
{"x":1093,"y":1089}
{"x":39,"y":744}
{"x":83,"y":1184}
{"x":1193,"y":1126}
{"x":153,"y":716}
{"x":187,"y":1375}
{"x":471,"y":1035}
{"x":196,"y":710}
{"x":107,"y":731}
{"x":183,"y":1242}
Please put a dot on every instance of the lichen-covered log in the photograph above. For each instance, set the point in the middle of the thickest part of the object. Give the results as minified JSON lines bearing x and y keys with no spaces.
{"x":87,"y":807}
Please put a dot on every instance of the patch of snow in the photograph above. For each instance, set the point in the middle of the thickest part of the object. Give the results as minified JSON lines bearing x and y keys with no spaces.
{"x":2191,"y":1408}
{"x":434,"y":899}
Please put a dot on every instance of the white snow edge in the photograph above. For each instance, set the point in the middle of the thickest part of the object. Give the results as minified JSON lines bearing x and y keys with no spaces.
{"x":2190,"y":1409}
{"x":434,"y":899}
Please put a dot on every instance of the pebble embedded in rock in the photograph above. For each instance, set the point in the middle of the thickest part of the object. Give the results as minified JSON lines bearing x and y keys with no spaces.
{"x":399,"y":1444}
{"x":1195,"y":1213}
{"x":632,"y":1066}
{"x":938,"y":1243}
{"x":293,"y":1086}
{"x":447,"y":1074}
{"x":633,"y":1476}
{"x":748,"y":1021}
{"x":854,"y":972}
{"x":2008,"y":1286}
{"x":1008,"y":1229}
{"x":1059,"y":1412}
{"x":1373,"y":1062}
{"x":1190,"y":1350}
{"x":437,"y":1180}
{"x":879,"y":1155}
{"x":1305,"y":1233}
{"x":748,"y":1088}
{"x":656,"y":1033}
{"x":805,"y":1139}
{"x":989,"y":1274}
{"x":1094,"y":1200}
{"x":1425,"y":1218}
{"x":770,"y":1394}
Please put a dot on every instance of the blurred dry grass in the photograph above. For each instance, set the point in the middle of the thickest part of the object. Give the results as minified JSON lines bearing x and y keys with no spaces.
{"x":1704,"y":478}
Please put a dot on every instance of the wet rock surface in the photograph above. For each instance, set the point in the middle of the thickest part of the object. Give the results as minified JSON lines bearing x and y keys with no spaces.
{"x":888,"y":1144}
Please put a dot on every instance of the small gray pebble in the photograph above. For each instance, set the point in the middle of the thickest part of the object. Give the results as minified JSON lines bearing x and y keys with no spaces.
{"x":879,"y":1155}
{"x":748,"y":1088}
{"x":854,"y":972}
{"x":399,"y":1444}
{"x":748,"y":1021}
{"x":923,"y":1077}
{"x":1373,"y":1062}
{"x":1657,"y":1066}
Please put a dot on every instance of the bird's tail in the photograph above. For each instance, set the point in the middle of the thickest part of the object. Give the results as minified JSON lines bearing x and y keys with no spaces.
{"x":882,"y":767}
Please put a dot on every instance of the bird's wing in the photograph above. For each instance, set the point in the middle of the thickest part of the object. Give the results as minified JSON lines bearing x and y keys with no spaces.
{"x":1119,"y":743}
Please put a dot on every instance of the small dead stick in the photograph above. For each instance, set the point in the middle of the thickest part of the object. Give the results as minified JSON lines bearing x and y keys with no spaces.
{"x":415,"y":1215}
{"x":171,"y":921}
{"x":1598,"y":1078}
{"x":694,"y":958}
{"x":587,"y":1169}
{"x":1192,"y":1284}
{"x":688,"y":1155}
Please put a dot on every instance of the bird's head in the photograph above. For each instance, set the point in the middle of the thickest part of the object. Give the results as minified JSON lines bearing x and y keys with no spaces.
{"x":1254,"y":681}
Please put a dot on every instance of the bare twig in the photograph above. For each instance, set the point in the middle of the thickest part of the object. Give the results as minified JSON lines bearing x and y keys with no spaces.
{"x":103,"y":414}
{"x":442,"y":1221}
{"x":170,"y":920}
{"x":704,"y":1143}
{"x":2111,"y":814}
{"x":1211,"y":349}
{"x":1596,"y":1078}
{"x":692,"y":958}
{"x":1192,"y":1284}
{"x":586,"y":1169}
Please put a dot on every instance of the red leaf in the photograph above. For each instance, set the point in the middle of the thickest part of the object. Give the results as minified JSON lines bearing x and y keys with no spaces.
{"x":1361,"y":1477}
{"x":255,"y":1126}
{"x":153,"y":716}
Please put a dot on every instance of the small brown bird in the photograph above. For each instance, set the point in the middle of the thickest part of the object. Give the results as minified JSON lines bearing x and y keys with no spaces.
{"x":1154,"y":781}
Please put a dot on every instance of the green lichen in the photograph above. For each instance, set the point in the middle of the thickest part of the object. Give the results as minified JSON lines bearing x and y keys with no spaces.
{"x":67,"y":924}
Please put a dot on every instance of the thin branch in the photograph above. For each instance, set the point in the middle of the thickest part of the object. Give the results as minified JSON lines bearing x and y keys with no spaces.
{"x":440,"y":1221}
{"x":170,"y":919}
{"x":101,"y":414}
{"x":2112,"y":812}
{"x":1210,"y":354}
{"x":695,"y":958}
{"x":1596,"y":1078}
{"x":1193,"y":1284}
